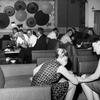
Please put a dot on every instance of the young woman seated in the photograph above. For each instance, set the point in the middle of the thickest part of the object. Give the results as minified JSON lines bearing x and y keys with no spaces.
{"x":54,"y":74}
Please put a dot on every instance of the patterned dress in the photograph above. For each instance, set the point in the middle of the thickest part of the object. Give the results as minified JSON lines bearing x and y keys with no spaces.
{"x":48,"y":76}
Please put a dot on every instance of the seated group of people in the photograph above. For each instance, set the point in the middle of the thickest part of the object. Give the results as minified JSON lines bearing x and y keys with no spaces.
{"x":53,"y":73}
{"x":30,"y":40}
{"x":80,"y":38}
{"x":63,"y":82}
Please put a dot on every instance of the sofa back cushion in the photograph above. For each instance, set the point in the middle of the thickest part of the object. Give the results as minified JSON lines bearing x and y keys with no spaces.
{"x":43,"y":54}
{"x":82,"y":52}
{"x":87,"y":67}
{"x":17,"y":69}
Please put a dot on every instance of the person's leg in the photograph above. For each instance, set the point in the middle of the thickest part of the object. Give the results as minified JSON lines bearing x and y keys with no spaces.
{"x":71,"y":91}
{"x":88,"y":92}
{"x":96,"y":96}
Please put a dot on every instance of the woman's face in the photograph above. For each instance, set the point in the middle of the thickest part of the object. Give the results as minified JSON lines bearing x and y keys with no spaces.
{"x":15,"y":31}
{"x":29,"y":33}
{"x":69,"y":33}
{"x":96,"y":47}
{"x":61,"y":52}
{"x":64,"y":60}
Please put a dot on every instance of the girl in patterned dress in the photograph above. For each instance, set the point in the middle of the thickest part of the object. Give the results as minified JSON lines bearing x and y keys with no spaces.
{"x":50,"y":72}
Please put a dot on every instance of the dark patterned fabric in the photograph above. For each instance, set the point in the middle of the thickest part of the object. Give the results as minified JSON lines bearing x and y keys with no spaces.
{"x":48,"y":75}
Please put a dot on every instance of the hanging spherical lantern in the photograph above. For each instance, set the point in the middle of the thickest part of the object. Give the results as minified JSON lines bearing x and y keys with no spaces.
{"x":41,"y":18}
{"x":4,"y":20}
{"x":46,"y":7}
{"x":20,"y":5}
{"x":21,"y":15}
{"x":31,"y":22}
{"x":32,"y":7}
{"x":9,"y":10}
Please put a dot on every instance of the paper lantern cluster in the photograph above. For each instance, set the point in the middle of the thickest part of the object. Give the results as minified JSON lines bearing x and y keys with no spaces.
{"x":30,"y":13}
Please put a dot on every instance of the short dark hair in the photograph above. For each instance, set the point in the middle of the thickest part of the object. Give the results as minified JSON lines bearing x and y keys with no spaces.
{"x":55,"y":29}
{"x":29,"y":29}
{"x":15,"y":28}
{"x":41,"y":30}
{"x":34,"y":33}
{"x":20,"y":30}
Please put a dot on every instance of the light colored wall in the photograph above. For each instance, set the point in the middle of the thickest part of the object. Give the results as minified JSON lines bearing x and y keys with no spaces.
{"x":89,"y":13}
{"x":5,"y":3}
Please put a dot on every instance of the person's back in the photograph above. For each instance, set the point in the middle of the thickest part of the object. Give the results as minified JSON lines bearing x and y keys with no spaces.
{"x":41,"y":43}
{"x":52,"y":44}
{"x":47,"y":74}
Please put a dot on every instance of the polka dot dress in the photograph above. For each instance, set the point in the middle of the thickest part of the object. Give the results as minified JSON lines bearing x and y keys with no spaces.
{"x":48,"y":76}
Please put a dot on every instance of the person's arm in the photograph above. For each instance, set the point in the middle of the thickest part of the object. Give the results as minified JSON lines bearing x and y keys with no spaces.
{"x":67,"y":74}
{"x":92,"y":77}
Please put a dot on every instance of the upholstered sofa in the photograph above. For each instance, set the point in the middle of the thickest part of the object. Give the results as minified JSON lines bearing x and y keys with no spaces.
{"x":17,"y":76}
{"x":17,"y":84}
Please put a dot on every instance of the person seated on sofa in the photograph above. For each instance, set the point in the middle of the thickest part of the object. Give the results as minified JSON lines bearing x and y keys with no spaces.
{"x":49,"y":74}
{"x":41,"y":40}
{"x":32,"y":39}
{"x":14,"y":33}
{"x":91,"y":83}
{"x":52,"y":39}
{"x":22,"y":43}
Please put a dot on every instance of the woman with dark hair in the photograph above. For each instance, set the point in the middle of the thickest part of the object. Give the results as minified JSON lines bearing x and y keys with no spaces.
{"x":49,"y":74}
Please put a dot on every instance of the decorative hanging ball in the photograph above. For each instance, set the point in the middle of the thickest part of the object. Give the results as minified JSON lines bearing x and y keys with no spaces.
{"x":20,"y":5}
{"x":9,"y":10}
{"x":4,"y":20}
{"x":31,"y":22}
{"x":21,"y":15}
{"x":41,"y":18}
{"x":32,"y":7}
{"x":46,"y":7}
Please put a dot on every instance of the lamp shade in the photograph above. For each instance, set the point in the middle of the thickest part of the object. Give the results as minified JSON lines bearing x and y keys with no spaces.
{"x":31,"y":22}
{"x":32,"y":7}
{"x":4,"y":20}
{"x":9,"y":10}
{"x":21,"y":15}
{"x":20,"y":5}
{"x":41,"y":18}
{"x":46,"y":7}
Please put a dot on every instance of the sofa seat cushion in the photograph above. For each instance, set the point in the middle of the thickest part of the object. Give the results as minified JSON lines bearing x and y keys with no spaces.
{"x":17,"y":81}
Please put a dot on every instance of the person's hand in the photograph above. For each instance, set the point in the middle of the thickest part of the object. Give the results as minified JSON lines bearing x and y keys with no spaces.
{"x":80,"y":79}
{"x":70,"y":72}
{"x":83,"y":76}
{"x":75,"y":81}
